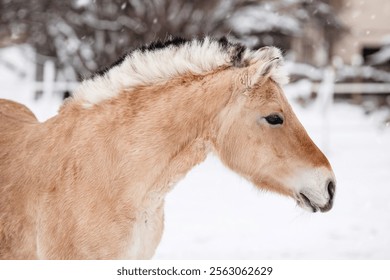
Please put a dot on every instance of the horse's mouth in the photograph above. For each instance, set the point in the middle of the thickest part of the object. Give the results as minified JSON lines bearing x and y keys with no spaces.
{"x":304,"y":201}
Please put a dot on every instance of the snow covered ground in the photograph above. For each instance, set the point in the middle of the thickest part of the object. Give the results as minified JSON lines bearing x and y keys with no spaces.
{"x":214,"y":214}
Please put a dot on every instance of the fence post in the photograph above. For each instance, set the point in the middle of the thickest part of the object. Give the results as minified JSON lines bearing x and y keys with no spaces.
{"x":48,"y":79}
{"x":325,"y":101}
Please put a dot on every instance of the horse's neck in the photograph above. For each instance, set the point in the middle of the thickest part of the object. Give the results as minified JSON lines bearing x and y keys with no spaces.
{"x":182,"y":121}
{"x":160,"y":132}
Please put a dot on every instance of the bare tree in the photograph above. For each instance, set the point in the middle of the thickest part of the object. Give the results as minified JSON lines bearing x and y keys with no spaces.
{"x":83,"y":36}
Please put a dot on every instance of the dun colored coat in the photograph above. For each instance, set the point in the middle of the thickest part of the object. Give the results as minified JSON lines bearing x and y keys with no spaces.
{"x":90,"y":182}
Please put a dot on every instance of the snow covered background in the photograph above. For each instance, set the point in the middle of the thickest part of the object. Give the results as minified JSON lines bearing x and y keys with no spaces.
{"x":214,"y":214}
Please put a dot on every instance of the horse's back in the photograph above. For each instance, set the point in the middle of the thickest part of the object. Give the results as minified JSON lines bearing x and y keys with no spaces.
{"x":11,"y":111}
{"x":16,"y":123}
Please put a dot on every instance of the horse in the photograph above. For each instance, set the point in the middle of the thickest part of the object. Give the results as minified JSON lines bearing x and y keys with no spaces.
{"x":90,"y":182}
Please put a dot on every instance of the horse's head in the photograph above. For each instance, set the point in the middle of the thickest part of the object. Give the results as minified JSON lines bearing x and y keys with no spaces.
{"x":260,"y":137}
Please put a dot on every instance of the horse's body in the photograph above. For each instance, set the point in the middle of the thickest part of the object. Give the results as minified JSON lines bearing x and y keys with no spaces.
{"x":91,"y":181}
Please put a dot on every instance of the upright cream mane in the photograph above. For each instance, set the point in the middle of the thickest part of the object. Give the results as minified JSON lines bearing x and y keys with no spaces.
{"x":162,"y":61}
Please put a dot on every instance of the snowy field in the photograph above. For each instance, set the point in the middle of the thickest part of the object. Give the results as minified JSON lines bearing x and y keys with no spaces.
{"x":214,"y":214}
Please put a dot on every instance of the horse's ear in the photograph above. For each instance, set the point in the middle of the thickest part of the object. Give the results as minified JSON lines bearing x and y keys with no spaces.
{"x":263,"y":64}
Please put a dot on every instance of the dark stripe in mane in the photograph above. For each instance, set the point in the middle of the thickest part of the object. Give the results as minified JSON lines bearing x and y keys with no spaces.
{"x":157,"y":45}
{"x":237,"y":58}
{"x":104,"y":70}
{"x":239,"y":49}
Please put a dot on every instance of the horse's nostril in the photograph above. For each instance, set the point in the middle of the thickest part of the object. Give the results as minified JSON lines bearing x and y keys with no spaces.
{"x":331,"y":189}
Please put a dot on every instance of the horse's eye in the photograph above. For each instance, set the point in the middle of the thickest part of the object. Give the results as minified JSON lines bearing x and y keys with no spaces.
{"x":274,"y":119}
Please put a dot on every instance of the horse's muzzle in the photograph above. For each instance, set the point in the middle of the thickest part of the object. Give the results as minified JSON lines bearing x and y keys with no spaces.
{"x":304,"y":199}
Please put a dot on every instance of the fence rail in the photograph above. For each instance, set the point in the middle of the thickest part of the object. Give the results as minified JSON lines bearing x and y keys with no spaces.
{"x":55,"y":86}
{"x":357,"y":88}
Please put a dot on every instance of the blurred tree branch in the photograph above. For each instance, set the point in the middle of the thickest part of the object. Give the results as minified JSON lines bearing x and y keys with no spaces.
{"x":85,"y":35}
